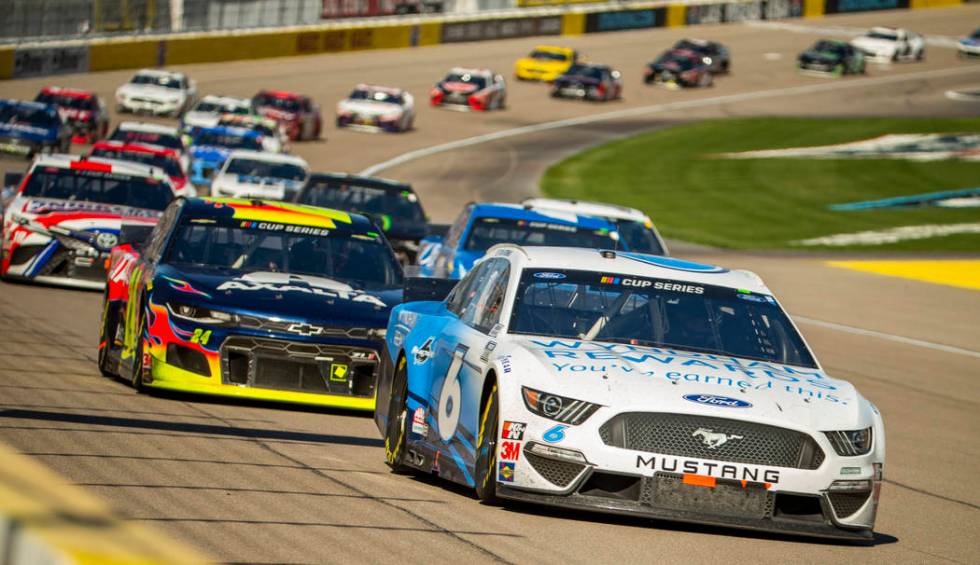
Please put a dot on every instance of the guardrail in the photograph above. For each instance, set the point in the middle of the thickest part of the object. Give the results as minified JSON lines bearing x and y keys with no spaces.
{"x":39,"y":59}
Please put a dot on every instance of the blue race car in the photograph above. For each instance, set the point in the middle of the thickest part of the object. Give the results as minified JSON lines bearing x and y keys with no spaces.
{"x":211,"y":146}
{"x":29,"y":128}
{"x":481,"y":226}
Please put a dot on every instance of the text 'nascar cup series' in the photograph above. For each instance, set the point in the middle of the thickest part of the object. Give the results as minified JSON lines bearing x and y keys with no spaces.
{"x":632,"y":384}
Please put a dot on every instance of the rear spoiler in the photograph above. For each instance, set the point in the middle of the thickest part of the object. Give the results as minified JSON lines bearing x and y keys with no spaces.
{"x":425,"y":289}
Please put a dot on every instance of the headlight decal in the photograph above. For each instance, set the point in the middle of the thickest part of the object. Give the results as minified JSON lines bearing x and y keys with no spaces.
{"x":850,"y":443}
{"x":559,"y":408}
{"x":201,"y":315}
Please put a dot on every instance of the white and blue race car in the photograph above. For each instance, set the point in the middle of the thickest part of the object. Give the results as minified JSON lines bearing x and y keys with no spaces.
{"x":633,"y":384}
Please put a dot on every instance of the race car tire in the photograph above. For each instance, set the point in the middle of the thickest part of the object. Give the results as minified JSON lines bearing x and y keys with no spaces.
{"x":397,"y":419}
{"x":838,"y":70}
{"x":106,"y":335}
{"x":921,"y":54}
{"x":486,"y":450}
{"x":136,"y":372}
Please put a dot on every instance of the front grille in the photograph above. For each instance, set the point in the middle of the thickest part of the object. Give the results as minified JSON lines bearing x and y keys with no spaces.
{"x":559,"y":473}
{"x":847,"y":503}
{"x":257,"y":323}
{"x":726,"y":498}
{"x":693,"y":436}
{"x":298,"y":366}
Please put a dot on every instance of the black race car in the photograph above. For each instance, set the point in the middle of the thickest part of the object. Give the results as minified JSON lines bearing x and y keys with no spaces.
{"x":679,"y":68}
{"x":832,"y":57}
{"x":393,"y":205}
{"x":590,"y":82}
{"x":712,"y":53}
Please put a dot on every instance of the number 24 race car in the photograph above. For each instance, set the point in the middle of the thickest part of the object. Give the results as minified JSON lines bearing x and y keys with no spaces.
{"x":630,"y":384}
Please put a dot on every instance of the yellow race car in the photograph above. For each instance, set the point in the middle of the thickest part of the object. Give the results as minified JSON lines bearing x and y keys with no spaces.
{"x":545,"y":63}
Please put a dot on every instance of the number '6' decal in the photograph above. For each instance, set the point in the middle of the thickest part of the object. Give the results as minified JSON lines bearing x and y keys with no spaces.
{"x":450,"y":398}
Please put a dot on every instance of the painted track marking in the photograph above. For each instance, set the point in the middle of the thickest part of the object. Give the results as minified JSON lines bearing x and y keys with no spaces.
{"x":887,"y":336}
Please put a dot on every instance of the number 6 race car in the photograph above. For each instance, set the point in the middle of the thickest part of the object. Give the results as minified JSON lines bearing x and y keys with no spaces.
{"x":630,"y":384}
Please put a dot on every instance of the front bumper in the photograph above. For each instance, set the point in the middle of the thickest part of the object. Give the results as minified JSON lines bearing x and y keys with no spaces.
{"x":369,"y":123}
{"x":153,"y":106}
{"x":19,"y":147}
{"x":61,"y":262}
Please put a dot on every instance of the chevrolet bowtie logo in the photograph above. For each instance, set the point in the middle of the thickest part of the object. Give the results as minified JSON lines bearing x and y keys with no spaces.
{"x":305,"y":329}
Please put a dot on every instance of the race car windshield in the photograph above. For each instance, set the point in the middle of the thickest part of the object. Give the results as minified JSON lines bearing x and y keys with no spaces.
{"x":693,"y":46}
{"x":548,"y":56}
{"x":376,"y":96}
{"x":828,"y":47}
{"x":487,"y":232}
{"x":660,"y":313}
{"x":265,"y":169}
{"x":363,"y":261}
{"x":169,"y":165}
{"x":584,"y":71}
{"x":229,"y":140}
{"x":636,"y":236}
{"x":396,"y":203}
{"x":280,"y":103}
{"x":133,"y":136}
{"x":886,"y":35}
{"x":164,"y":81}
{"x":29,"y":115}
{"x":94,"y":186}
{"x":265,"y":129}
{"x":478,"y":81}
{"x":679,"y":61}
{"x":220,"y":108}
{"x":65,"y":101}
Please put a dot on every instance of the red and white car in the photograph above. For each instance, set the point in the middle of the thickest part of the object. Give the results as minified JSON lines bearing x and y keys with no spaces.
{"x":377,"y":108}
{"x":83,"y":110}
{"x":470,"y":89}
{"x":166,"y":159}
{"x":299,"y":115}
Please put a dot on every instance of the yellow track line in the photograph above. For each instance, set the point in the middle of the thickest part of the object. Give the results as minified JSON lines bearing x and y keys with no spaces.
{"x":954,"y":272}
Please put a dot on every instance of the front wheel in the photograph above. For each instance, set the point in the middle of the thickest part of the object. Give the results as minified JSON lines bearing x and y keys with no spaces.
{"x":486,"y":455}
{"x":397,"y":419}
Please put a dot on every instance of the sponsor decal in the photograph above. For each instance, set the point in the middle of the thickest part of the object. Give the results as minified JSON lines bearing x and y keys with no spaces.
{"x":44,"y":206}
{"x":487,"y":350}
{"x":554,"y":434}
{"x":891,"y":235}
{"x":549,"y":276}
{"x":675,"y":264}
{"x":338,"y":372}
{"x":721,"y":401}
{"x":418,"y":422}
{"x":913,"y":147}
{"x":707,"y":468}
{"x":510,"y":450}
{"x":505,"y":472}
{"x":424,"y":353}
{"x":41,"y":61}
{"x":288,"y":282}
{"x":513,"y":430}
{"x":286,"y":228}
{"x":506,"y":363}
{"x":184,"y":286}
{"x":713,"y":439}
{"x":609,"y":280}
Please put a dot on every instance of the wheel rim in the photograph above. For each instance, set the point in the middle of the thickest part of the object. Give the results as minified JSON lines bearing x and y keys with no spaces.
{"x":488,"y":440}
{"x":397,"y":405}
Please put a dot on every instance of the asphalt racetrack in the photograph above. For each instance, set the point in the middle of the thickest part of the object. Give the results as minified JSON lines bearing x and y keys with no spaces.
{"x":259,"y":483}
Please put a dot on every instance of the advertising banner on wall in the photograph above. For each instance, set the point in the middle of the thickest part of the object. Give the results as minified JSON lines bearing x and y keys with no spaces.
{"x":625,"y":19}
{"x":747,"y":11}
{"x":481,"y":30}
{"x":43,"y":61}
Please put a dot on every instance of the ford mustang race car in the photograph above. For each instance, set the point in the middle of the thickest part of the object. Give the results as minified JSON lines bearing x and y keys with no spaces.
{"x":677,"y":68}
{"x":163,"y":158}
{"x":481,"y":226}
{"x":255,"y":174}
{"x":393,"y":205}
{"x":299,"y":115}
{"x":588,"y":81}
{"x":889,"y":44}
{"x":545,"y":63}
{"x":712,"y":53}
{"x":377,"y":108}
{"x":158,"y":92}
{"x":252,"y":299}
{"x":629,"y":384}
{"x":29,"y":128}
{"x":969,"y":46}
{"x":470,"y":89}
{"x":68,"y":213}
{"x":83,"y":111}
{"x":273,"y":136}
{"x":153,"y":134}
{"x":636,"y":229}
{"x":209,"y":109}
{"x":831,"y":57}
{"x":211,"y":146}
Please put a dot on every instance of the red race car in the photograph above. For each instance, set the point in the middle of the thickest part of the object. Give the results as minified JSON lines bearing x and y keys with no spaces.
{"x":472,"y":89}
{"x":299,"y":115}
{"x":153,"y":155}
{"x":80,"y":109}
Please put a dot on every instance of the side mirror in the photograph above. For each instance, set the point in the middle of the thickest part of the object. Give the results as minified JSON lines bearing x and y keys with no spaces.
{"x":134,"y":234}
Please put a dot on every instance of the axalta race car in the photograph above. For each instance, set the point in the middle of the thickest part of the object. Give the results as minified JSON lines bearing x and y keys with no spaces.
{"x":377,"y":108}
{"x":165,"y":159}
{"x":273,"y":136}
{"x":153,"y":134}
{"x":470,"y":89}
{"x":252,"y":299}
{"x":256,"y":174}
{"x":68,"y":214}
{"x":889,"y":44}
{"x":831,"y":57}
{"x":481,"y":226}
{"x":545,"y":63}
{"x":210,"y":147}
{"x":636,"y":229}
{"x":158,"y":92}
{"x":298,"y":114}
{"x":969,"y":46}
{"x":209,"y":110}
{"x":712,"y":53}
{"x":393,"y":205}
{"x":83,"y":111}
{"x":30,"y":128}
{"x":629,"y":384}
{"x":679,"y":68}
{"x":587,"y":81}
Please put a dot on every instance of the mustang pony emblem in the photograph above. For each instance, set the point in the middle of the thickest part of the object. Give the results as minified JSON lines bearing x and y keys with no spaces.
{"x":714,"y":439}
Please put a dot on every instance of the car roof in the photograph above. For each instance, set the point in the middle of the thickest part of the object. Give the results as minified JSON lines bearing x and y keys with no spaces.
{"x":149,"y":148}
{"x":222,"y":99}
{"x":244,"y":132}
{"x":278,"y":212}
{"x":532,"y":214}
{"x":552,"y":48}
{"x":268,"y":157}
{"x":69,"y":92}
{"x":99,"y":164}
{"x":600,"y":209}
{"x":470,"y":71}
{"x":389,"y":89}
{"x":30,"y":104}
{"x":627,"y":263}
{"x":375,"y":182}
{"x":148,"y":127}
{"x":160,"y":73}
{"x":280,"y":94}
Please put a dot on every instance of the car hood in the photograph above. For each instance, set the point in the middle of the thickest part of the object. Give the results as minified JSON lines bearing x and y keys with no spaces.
{"x":289,"y":296}
{"x":201,"y":119}
{"x":820,"y":56}
{"x":150,"y":91}
{"x":458,"y":87}
{"x":876,"y":45}
{"x":274,"y":113}
{"x":27,"y":132}
{"x":209,"y":153}
{"x":634,"y":378}
{"x":269,"y":187}
{"x":577,"y":79}
{"x":541,"y":64}
{"x":370,"y":108}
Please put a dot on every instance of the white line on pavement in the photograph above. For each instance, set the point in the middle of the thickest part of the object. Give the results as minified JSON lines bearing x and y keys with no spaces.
{"x":934,"y":40}
{"x":888,"y":337}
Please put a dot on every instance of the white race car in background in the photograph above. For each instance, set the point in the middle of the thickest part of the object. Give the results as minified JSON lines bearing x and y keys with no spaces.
{"x":208,"y":110}
{"x":377,"y":108}
{"x":633,"y":384}
{"x":258,"y":174}
{"x":969,"y":46}
{"x":635,"y":228}
{"x":889,"y":44}
{"x":158,"y":92}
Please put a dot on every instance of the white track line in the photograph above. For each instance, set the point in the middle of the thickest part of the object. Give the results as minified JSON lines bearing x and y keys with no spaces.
{"x":846,"y":31}
{"x":888,"y":337}
{"x":843,"y":84}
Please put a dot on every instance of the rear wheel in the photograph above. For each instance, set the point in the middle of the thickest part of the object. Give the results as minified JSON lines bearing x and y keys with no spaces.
{"x":397,"y":419}
{"x":107,"y":337}
{"x":486,"y":454}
